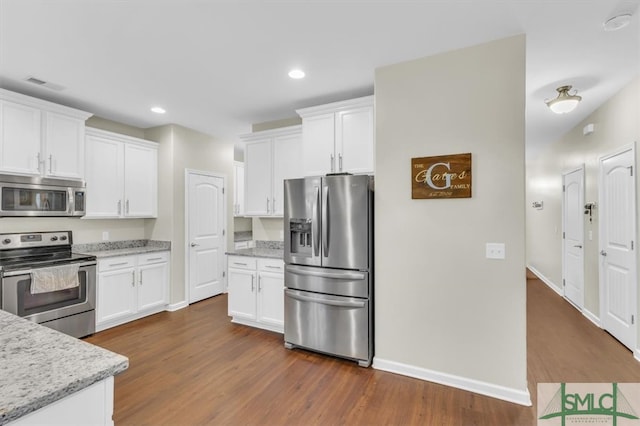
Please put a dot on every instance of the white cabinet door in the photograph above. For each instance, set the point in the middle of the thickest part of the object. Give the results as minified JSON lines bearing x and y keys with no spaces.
{"x":20,"y":138}
{"x":354,"y":140}
{"x":152,"y":285}
{"x":140,"y":181}
{"x":104,"y":177}
{"x":64,"y":146}
{"x":258,"y":176}
{"x":287,"y":151}
{"x":238,"y":194}
{"x":318,"y":135}
{"x":116,"y":294}
{"x":271,"y":298}
{"x":242,"y":296}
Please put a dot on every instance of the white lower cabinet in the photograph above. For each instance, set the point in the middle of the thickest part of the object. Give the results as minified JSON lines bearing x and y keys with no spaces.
{"x":131,"y":287}
{"x":256,"y":292}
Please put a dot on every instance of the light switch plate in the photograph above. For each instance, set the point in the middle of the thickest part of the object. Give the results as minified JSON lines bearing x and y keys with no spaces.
{"x":105,"y":235}
{"x":495,"y":251}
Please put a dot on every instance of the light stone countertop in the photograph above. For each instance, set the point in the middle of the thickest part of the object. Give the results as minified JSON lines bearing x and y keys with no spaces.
{"x":39,"y":366}
{"x":258,"y":252}
{"x":122,"y":248}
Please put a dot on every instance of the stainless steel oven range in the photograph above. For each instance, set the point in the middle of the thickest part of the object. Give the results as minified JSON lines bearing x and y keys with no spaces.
{"x":38,"y":281}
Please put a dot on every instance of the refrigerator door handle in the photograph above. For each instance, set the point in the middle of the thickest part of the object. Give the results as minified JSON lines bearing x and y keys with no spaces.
{"x":342,"y":275}
{"x":315,"y":223}
{"x":325,"y":221}
{"x":325,"y":301}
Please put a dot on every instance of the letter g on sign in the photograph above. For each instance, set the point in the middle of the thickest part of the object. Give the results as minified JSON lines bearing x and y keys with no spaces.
{"x":447,"y":176}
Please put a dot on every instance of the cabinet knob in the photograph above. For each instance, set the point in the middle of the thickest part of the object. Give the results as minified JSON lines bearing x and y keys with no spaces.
{"x":194,"y":244}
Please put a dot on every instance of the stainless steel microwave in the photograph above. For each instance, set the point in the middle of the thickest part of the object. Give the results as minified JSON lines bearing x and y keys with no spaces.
{"x":38,"y":196}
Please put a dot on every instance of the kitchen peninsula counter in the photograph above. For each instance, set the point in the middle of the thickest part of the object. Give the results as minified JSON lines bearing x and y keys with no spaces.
{"x":264,"y":249}
{"x":39,"y":366}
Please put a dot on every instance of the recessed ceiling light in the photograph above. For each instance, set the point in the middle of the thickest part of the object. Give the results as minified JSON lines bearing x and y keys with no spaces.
{"x":617,"y":22}
{"x":158,"y":110}
{"x":296,"y":74}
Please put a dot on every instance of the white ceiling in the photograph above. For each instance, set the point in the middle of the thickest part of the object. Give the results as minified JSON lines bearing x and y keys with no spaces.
{"x":219,"y":66}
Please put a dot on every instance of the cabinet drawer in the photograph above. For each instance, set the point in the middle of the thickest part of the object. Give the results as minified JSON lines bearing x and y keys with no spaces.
{"x":155,"y":257}
{"x":271,"y":265}
{"x":242,"y":262}
{"x":116,"y":263}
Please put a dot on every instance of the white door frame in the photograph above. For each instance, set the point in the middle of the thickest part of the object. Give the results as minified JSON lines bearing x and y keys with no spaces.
{"x":580,"y":304}
{"x":632,"y":148}
{"x":187,"y":252}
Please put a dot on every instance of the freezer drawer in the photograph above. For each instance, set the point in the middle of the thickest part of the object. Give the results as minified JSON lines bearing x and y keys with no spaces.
{"x":340,"y":282}
{"x":330,"y":324}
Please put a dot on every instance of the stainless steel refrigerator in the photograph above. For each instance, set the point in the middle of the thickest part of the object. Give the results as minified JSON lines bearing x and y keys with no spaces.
{"x":328,"y":254}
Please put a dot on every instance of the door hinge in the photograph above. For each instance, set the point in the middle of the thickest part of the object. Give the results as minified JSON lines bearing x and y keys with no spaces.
{"x":563,"y":236}
{"x":224,"y":274}
{"x":631,"y":170}
{"x":563,"y":188}
{"x":631,"y":245}
{"x":223,"y":189}
{"x":224,"y":232}
{"x":633,"y":319}
{"x":564,"y":283}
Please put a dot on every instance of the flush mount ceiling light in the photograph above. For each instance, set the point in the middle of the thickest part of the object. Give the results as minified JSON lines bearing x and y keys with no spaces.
{"x":158,"y":110}
{"x":296,"y":74}
{"x":565,"y":102}
{"x":617,"y":22}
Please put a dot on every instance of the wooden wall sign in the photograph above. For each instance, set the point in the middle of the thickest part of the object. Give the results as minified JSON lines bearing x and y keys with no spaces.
{"x":444,"y":176}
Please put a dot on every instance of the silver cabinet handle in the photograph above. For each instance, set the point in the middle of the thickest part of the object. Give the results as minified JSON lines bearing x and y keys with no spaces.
{"x":119,"y":207}
{"x":194,"y":244}
{"x":140,"y":277}
{"x":154,"y":258}
{"x":259,"y":283}
{"x":273,"y":267}
{"x":50,"y":164}
{"x":578,"y":246}
{"x":133,"y":278}
{"x":267,"y":205}
{"x":331,"y":163}
{"x":39,"y":164}
{"x":127,"y":206}
{"x":339,"y":162}
{"x":603,"y":253}
{"x":252,"y":283}
{"x":118,"y":264}
{"x":238,"y":263}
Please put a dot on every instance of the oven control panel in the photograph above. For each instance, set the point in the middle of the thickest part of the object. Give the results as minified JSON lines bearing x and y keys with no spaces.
{"x":35,"y":239}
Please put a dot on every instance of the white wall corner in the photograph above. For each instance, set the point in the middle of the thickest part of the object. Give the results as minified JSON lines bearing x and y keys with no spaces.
{"x":592,"y":317}
{"x":521,"y":397}
{"x":546,"y":280}
{"x":177,"y":306}
{"x":636,"y":354}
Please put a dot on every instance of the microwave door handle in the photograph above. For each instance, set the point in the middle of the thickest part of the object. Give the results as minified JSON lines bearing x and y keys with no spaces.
{"x":315,"y":223}
{"x":69,"y":200}
{"x":325,"y":221}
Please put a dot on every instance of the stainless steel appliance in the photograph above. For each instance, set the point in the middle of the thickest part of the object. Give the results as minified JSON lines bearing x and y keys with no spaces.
{"x":38,"y":196}
{"x":69,"y":310}
{"x":328,"y":254}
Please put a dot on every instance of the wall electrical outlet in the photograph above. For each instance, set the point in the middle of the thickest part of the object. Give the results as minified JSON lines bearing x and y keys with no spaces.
{"x":105,"y":235}
{"x":495,"y":251}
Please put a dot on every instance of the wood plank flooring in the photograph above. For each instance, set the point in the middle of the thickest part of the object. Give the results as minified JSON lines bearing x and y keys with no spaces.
{"x":193,"y":367}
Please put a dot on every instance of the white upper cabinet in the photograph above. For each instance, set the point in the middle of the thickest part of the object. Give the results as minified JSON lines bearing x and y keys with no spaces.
{"x":40,"y":138}
{"x":270,"y":157}
{"x":121,"y":175}
{"x":338,"y":137}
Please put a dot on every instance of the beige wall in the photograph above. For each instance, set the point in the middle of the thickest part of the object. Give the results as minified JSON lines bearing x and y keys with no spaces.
{"x":616,"y":124}
{"x":180,"y":149}
{"x":268,"y":229}
{"x":276,"y":124}
{"x":112,"y":126}
{"x":442,"y":308}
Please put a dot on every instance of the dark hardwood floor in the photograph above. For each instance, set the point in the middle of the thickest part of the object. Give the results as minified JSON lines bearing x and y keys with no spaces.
{"x":193,"y":367}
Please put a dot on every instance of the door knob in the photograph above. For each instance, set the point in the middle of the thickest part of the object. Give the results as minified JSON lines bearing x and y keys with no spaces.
{"x":602,"y":252}
{"x":194,"y":244}
{"x":578,"y":246}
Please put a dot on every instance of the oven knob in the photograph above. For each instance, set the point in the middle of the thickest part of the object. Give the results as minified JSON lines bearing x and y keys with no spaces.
{"x":54,"y":238}
{"x":6,"y":241}
{"x":63,"y":238}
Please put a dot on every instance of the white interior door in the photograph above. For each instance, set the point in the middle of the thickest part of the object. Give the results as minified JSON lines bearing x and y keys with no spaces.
{"x":573,"y":232}
{"x":618,"y":284}
{"x":205,"y":229}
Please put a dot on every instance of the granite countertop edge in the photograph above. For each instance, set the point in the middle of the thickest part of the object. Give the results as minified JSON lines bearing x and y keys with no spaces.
{"x":41,"y":366}
{"x":122,"y":248}
{"x":266,"y":253}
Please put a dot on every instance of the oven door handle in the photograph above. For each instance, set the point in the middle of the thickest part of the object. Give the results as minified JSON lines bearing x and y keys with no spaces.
{"x":28,"y":271}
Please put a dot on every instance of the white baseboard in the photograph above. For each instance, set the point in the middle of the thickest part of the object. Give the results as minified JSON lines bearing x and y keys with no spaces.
{"x":591,"y":317}
{"x":516,"y":396}
{"x":177,"y":306}
{"x":546,"y":280}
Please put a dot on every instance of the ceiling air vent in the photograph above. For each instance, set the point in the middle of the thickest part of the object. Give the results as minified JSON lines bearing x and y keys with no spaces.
{"x":43,"y":83}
